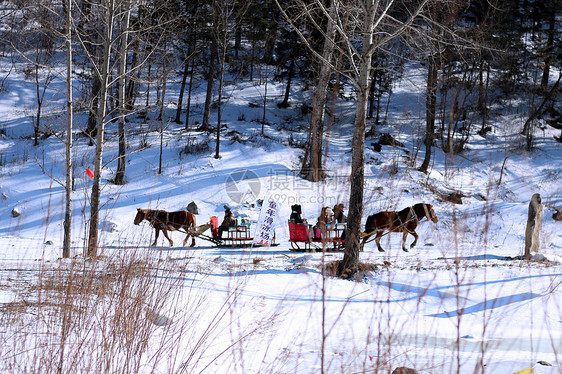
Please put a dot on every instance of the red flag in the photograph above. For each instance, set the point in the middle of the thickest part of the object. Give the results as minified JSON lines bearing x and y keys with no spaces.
{"x":89,"y":173}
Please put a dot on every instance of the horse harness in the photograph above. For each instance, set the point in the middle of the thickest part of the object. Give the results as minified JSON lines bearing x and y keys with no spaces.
{"x":162,"y":224}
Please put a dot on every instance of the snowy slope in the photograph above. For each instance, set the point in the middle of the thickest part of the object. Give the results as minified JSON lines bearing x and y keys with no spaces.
{"x":458,"y":300}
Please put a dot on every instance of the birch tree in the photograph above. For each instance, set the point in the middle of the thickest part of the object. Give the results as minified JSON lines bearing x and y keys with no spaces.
{"x":109,"y":14}
{"x":108,"y":9}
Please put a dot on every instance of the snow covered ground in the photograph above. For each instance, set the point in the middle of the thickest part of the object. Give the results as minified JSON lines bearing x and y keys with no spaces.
{"x":461,"y":301}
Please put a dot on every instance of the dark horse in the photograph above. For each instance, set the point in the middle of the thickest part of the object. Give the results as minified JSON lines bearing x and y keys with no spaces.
{"x":164,"y":221}
{"x":404,"y":221}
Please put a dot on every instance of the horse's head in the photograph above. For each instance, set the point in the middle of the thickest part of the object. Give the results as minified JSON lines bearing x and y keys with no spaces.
{"x":430,"y":213}
{"x":141,"y":215}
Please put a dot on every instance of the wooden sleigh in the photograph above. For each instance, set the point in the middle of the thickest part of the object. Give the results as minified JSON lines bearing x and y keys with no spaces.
{"x":302,"y":240}
{"x":236,"y":236}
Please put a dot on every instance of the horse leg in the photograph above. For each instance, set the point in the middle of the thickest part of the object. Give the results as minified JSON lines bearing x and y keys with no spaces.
{"x":415,"y":239}
{"x":165,"y":232}
{"x":156,"y":236}
{"x":404,"y":236}
{"x":378,"y":240}
{"x":187,"y":237}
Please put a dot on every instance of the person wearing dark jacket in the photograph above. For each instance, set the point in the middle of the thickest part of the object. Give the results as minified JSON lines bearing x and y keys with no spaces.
{"x":227,"y":222}
{"x":296,"y":212}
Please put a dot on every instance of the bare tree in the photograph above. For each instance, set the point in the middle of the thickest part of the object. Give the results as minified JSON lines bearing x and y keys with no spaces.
{"x":226,"y":18}
{"x":189,"y":52}
{"x":313,"y":13}
{"x":67,"y":240}
{"x":376,"y":22}
{"x":213,"y":51}
{"x":108,"y":9}
{"x":437,"y":44}
{"x":33,"y":39}
{"x":312,"y":168}
{"x":109,"y":13}
{"x":121,"y":97}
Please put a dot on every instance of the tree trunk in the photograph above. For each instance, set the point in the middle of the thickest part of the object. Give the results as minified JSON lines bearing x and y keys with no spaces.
{"x":237,"y":42}
{"x":534,"y":220}
{"x":164,"y":79}
{"x":130,"y":93}
{"x":67,"y":240}
{"x":37,"y":123}
{"x":263,"y":121}
{"x":483,"y":97}
{"x":350,"y":262}
{"x":188,"y":106}
{"x":371,"y":109}
{"x":378,"y":110}
{"x":290,"y":73}
{"x":94,"y":106}
{"x":148,"y":79}
{"x":121,"y":161}
{"x":182,"y":90}
{"x":39,"y":104}
{"x":219,"y":109}
{"x":161,"y":154}
{"x":430,"y":106}
{"x":270,"y":41}
{"x":95,"y":197}
{"x":312,"y":169}
{"x":210,"y":81}
{"x":548,"y":50}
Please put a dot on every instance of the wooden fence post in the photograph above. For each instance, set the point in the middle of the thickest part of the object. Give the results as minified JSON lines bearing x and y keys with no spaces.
{"x":534,"y":219}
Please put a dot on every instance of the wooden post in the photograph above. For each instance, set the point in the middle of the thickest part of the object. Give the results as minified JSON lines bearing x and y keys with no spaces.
{"x":534,"y":219}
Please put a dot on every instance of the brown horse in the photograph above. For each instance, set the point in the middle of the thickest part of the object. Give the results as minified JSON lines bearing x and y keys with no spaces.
{"x":404,"y":221}
{"x":164,"y":221}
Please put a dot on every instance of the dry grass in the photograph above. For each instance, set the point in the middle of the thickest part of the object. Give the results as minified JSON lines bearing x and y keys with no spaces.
{"x":129,"y":313}
{"x":331,"y":270}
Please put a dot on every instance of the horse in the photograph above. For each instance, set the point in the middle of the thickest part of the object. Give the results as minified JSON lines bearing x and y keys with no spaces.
{"x":404,"y":221}
{"x":168,"y":221}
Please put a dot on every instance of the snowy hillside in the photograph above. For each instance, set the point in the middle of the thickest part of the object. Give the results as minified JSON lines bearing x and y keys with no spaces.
{"x":461,"y":301}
